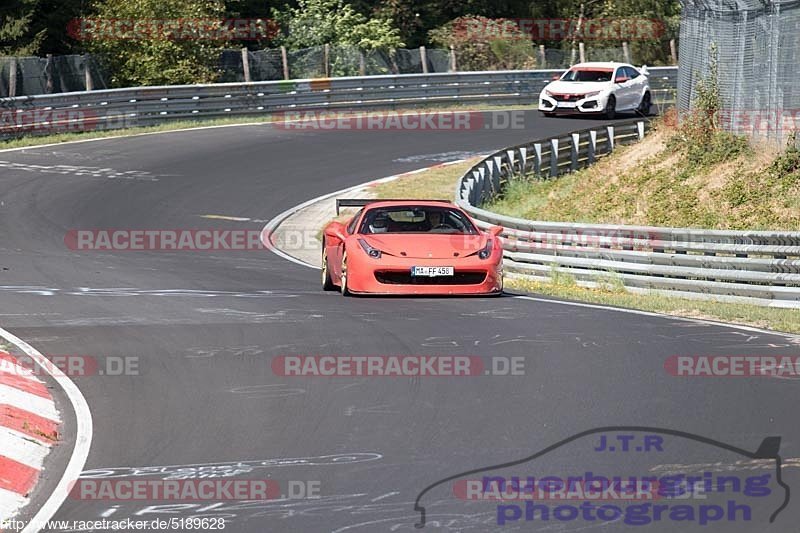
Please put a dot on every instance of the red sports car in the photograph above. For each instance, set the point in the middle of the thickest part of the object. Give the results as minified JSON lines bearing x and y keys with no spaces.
{"x":410,"y":247}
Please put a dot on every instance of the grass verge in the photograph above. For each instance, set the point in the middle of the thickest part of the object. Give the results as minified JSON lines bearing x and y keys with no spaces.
{"x":671,"y":179}
{"x":786,"y":320}
{"x":436,"y":183}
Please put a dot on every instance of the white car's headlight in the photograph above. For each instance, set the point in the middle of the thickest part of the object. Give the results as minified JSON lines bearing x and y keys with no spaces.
{"x":548,"y":93}
{"x":593,"y":93}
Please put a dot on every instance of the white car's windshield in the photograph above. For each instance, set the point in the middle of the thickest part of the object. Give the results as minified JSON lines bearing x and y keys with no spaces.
{"x":588,"y":75}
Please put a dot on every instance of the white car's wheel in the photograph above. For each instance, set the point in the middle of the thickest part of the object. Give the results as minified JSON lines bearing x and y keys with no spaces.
{"x":611,"y":107}
{"x":644,"y":105}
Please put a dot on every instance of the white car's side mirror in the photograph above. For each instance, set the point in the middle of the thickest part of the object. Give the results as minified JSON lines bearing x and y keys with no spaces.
{"x":644,"y":70}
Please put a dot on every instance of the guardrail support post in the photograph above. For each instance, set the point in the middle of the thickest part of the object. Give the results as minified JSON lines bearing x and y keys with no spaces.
{"x":246,"y":65}
{"x":48,"y":74}
{"x":537,"y":159}
{"x":592,"y":148}
{"x":576,"y":141}
{"x":523,"y":160}
{"x":610,"y":130}
{"x":423,"y":56}
{"x":497,"y":176}
{"x":480,"y":185}
{"x":285,"y":61}
{"x":488,"y":180}
{"x":510,"y":156}
{"x":553,"y":158}
{"x":474,"y":186}
{"x":12,"y":77}
{"x":87,"y":73}
{"x":640,"y":129}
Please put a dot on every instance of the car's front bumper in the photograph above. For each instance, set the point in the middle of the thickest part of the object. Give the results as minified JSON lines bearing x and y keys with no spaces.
{"x":590,"y":105}
{"x":392,"y":275}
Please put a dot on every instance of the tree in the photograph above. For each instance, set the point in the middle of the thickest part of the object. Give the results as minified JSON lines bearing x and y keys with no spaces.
{"x":155,"y":54}
{"x":319,"y":22}
{"x":16,"y":35}
{"x":665,"y":17}
{"x":481,"y":43}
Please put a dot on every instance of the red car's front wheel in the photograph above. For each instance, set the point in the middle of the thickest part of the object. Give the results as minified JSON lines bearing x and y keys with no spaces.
{"x":327,"y":282}
{"x":343,"y":277}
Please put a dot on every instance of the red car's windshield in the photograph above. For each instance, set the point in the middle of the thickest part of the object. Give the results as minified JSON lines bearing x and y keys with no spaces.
{"x":416,"y":219}
{"x":588,"y":75}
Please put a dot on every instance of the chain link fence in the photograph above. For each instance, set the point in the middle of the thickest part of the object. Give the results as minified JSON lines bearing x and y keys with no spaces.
{"x":758,"y":56}
{"x":21,"y":76}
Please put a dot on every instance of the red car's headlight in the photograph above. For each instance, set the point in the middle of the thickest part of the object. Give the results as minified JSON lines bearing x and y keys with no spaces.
{"x":372,"y":252}
{"x":486,"y":251}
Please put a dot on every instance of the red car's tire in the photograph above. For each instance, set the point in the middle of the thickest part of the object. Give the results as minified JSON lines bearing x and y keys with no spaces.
{"x":327,"y":282}
{"x":343,"y":280}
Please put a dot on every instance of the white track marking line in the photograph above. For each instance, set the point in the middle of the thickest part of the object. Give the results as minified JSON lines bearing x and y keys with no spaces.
{"x":28,"y":402}
{"x":22,"y":448}
{"x":83,"y":432}
{"x":111,"y":135}
{"x":10,"y":502}
{"x":660,"y":315}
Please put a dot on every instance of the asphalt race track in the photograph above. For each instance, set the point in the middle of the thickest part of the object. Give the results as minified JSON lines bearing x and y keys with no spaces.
{"x":205,"y":327}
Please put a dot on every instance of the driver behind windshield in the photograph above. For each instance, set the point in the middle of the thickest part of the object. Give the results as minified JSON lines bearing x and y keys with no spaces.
{"x":435,"y":220}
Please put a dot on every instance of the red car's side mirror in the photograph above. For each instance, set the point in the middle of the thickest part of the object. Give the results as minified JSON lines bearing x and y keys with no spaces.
{"x":495,"y":231}
{"x":336,"y":231}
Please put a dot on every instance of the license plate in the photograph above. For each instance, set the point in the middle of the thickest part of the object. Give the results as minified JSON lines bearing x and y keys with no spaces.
{"x":567,"y":104}
{"x":431,"y":272}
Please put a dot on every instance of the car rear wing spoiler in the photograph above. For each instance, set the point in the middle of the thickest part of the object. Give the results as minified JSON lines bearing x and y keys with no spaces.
{"x":361,"y":202}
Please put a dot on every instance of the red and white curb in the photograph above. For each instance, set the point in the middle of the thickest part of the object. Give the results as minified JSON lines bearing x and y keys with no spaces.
{"x":28,"y":430}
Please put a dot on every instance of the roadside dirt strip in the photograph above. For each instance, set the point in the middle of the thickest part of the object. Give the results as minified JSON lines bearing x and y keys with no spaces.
{"x":29,"y":425}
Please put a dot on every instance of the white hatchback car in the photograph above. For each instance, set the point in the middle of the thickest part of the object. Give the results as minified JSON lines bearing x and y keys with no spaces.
{"x":597,"y":88}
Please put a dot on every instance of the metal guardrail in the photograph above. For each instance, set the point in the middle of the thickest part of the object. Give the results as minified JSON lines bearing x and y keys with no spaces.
{"x":761,"y":267}
{"x":122,"y":108}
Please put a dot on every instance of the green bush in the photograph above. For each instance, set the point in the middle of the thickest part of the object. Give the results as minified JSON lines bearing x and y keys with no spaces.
{"x":156,"y":59}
